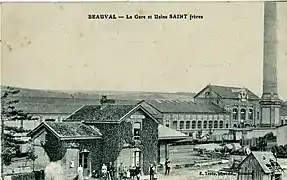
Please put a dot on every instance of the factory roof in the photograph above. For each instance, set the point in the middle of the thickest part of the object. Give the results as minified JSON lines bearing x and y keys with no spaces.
{"x":228,"y":91}
{"x":181,"y":106}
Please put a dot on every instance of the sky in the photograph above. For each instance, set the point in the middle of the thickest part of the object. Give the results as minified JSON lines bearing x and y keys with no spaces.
{"x":55,"y":46}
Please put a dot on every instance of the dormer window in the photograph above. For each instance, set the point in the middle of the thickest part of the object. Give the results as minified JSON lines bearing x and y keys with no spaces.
{"x":137,"y":128}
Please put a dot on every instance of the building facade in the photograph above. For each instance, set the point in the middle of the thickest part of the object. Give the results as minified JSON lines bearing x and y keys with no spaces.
{"x":189,"y":117}
{"x":242,"y":105}
{"x":126,"y":134}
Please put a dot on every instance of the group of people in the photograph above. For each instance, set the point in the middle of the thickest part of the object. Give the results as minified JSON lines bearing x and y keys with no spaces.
{"x":108,"y":172}
{"x":129,"y":173}
{"x":153,"y":169}
{"x":125,"y":173}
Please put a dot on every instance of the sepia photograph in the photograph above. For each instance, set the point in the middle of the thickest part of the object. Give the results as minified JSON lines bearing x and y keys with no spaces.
{"x":144,"y":90}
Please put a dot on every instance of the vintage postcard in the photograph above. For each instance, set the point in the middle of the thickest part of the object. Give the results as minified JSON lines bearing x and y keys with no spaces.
{"x":144,"y":90}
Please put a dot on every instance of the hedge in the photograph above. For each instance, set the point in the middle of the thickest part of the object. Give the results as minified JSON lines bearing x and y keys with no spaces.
{"x":36,"y":175}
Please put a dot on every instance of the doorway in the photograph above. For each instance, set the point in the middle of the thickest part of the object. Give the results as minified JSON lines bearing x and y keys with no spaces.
{"x":84,"y":161}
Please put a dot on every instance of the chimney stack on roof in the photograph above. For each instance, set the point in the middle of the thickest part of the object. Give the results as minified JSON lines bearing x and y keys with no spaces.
{"x":105,"y":100}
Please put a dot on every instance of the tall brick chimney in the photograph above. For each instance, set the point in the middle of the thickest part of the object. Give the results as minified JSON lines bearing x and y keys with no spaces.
{"x":270,"y":102}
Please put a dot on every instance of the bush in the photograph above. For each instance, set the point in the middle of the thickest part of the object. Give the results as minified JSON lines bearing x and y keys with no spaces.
{"x":36,"y":175}
{"x":26,"y":176}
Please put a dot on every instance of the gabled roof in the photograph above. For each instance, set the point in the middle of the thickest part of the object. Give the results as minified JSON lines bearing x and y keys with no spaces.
{"x":108,"y":113}
{"x":180,"y":106}
{"x":67,"y":131}
{"x":266,"y":160}
{"x":165,"y":133}
{"x":227,"y":91}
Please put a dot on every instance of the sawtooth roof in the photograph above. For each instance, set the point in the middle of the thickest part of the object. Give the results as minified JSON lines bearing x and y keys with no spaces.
{"x":180,"y":106}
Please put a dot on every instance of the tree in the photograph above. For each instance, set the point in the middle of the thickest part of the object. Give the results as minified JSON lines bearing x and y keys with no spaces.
{"x":9,"y":112}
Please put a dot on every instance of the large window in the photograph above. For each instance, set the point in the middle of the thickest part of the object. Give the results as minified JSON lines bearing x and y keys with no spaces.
{"x":193,"y":124}
{"x":136,"y":158}
{"x":199,"y":124}
{"x":220,"y":124}
{"x":167,"y":120}
{"x":181,"y":124}
{"x":137,"y":128}
{"x":234,"y":113}
{"x":187,"y":125}
{"x":215,"y":124}
{"x":250,"y":114}
{"x":243,"y":114}
{"x":209,"y":124}
{"x":205,"y":124}
{"x":174,"y":124}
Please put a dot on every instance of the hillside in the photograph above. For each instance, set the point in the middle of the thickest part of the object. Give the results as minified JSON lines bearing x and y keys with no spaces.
{"x":36,"y":93}
{"x":53,"y":101}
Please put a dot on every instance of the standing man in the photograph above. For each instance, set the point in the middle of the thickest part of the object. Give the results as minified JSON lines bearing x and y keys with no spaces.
{"x":111,"y":170}
{"x":151,"y":172}
{"x":138,"y":172}
{"x":121,"y":171}
{"x":105,"y":174}
{"x":167,"y":166}
{"x":80,"y":173}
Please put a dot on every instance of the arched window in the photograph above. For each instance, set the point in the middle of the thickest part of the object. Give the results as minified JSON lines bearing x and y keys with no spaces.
{"x":187,"y":125}
{"x":193,"y":124}
{"x":199,"y":124}
{"x":250,"y":114}
{"x":209,"y":124}
{"x":181,"y":124}
{"x":174,"y":124}
{"x":137,"y":128}
{"x":234,"y":113}
{"x":243,"y":114}
{"x":204,"y":124}
{"x":215,"y":124}
{"x":220,"y":124}
{"x":226,"y":125}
